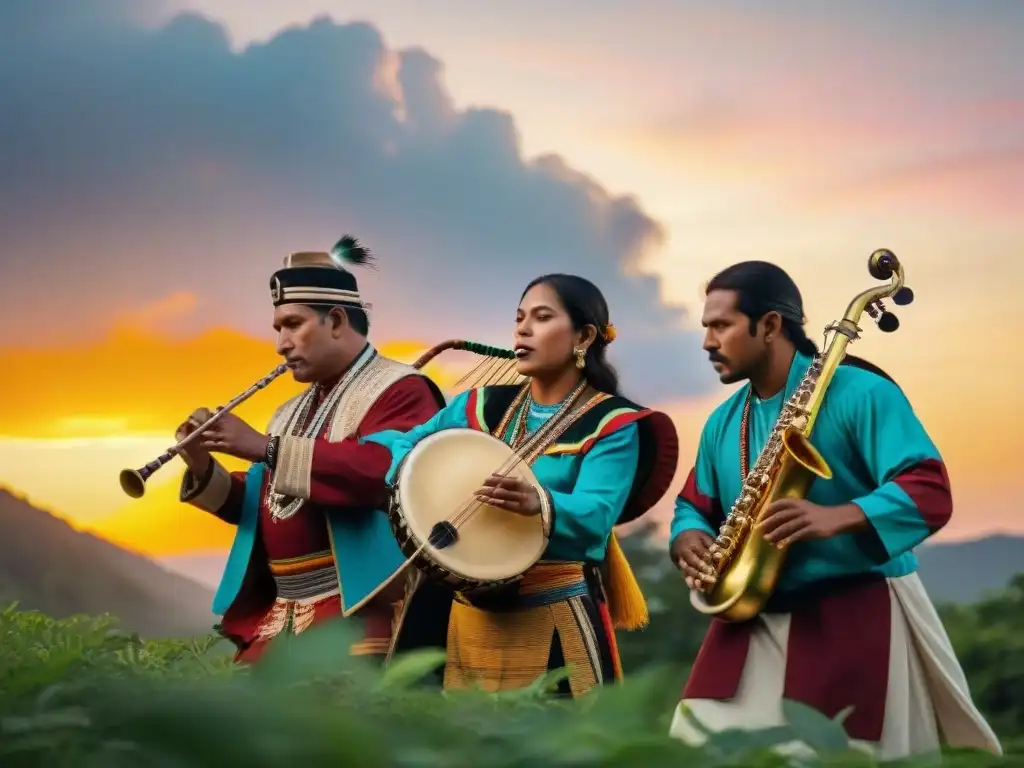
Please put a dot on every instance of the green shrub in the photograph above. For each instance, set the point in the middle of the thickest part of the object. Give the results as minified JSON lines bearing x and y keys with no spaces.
{"x":79,"y":692}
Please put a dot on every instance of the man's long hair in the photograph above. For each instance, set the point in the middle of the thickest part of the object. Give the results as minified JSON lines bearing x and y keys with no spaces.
{"x":762,"y":287}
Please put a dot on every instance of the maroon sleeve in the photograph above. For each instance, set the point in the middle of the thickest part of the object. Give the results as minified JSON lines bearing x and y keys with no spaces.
{"x":351,"y":474}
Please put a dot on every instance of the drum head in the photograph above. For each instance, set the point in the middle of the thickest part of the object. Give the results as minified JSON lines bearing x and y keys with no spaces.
{"x":438,"y":480}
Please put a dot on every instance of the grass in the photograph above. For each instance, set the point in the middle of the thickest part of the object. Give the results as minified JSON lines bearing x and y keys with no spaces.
{"x":79,"y":692}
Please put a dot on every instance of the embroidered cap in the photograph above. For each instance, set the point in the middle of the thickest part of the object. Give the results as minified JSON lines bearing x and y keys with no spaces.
{"x":321,"y":278}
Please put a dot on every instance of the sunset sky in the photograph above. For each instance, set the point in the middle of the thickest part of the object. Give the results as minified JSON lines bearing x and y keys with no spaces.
{"x":163,"y":157}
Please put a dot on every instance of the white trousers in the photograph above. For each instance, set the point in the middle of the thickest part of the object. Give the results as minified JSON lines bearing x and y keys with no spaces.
{"x":928,"y":701}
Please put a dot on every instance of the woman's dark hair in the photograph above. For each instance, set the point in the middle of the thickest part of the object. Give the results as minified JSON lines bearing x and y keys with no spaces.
{"x":585,"y":304}
{"x":761,"y":288}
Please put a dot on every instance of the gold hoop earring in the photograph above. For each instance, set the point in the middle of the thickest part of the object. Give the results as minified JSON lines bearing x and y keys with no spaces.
{"x":580,"y":357}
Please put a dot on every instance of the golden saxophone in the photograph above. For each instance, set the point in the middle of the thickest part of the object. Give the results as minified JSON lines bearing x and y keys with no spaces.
{"x":744,"y":568}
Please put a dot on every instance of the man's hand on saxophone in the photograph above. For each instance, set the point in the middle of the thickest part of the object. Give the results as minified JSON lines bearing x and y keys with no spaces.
{"x":689,"y":553}
{"x":788,"y":521}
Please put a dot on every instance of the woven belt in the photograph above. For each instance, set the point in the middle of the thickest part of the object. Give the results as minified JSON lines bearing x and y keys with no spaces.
{"x":545,"y":584}
{"x":303,"y":578}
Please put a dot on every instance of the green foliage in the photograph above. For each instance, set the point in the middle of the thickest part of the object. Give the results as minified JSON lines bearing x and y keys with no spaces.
{"x":79,"y":692}
{"x":989,"y":639}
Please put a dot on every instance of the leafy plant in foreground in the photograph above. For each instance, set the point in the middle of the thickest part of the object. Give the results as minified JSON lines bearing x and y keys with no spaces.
{"x":81,"y":693}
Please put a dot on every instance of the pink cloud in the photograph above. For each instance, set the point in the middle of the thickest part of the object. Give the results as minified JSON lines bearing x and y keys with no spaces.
{"x":155,"y":316}
{"x":987,"y":184}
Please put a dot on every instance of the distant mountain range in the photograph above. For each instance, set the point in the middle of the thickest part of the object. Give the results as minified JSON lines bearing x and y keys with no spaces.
{"x":964,"y":571}
{"x":47,"y":565}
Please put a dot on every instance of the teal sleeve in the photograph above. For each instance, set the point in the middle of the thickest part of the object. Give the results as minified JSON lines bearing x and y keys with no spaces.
{"x":400,"y":443}
{"x":912,"y":497}
{"x":697,"y":505}
{"x":584,"y":517}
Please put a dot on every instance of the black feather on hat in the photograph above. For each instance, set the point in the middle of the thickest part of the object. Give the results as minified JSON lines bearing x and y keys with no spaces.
{"x":321,"y":278}
{"x":348,"y":251}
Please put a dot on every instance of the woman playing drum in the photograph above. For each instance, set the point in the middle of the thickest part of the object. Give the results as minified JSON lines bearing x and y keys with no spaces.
{"x":609,"y":462}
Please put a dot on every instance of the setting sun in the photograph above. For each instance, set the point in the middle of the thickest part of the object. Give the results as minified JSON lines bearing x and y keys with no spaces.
{"x":130,"y":396}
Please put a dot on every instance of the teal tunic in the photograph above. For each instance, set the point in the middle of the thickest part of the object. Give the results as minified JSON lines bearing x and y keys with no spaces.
{"x":881,"y":459}
{"x":589,"y":491}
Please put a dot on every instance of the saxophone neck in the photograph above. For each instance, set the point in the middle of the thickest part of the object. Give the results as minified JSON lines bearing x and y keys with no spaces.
{"x":882,"y":265}
{"x":825,"y":365}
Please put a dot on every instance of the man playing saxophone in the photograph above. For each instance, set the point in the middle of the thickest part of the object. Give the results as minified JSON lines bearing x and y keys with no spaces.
{"x":311,"y":543}
{"x":849,"y":623}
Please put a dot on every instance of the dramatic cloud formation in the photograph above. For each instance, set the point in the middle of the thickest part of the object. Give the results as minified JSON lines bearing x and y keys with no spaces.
{"x":143,"y":163}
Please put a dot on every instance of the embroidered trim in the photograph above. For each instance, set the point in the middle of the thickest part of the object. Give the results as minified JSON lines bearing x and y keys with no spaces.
{"x":286,"y":616}
{"x":293,"y":476}
{"x":282,"y":506}
{"x":377,"y":374}
{"x":302,"y":564}
{"x":375,"y":646}
{"x":357,"y":401}
{"x":413,"y":580}
{"x":311,"y":585}
{"x":611,"y":421}
{"x":475,"y":410}
{"x":309,"y":578}
{"x":589,"y":635}
{"x":210,"y":492}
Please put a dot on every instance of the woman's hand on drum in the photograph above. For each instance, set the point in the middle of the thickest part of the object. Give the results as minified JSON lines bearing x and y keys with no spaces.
{"x":510,"y":493}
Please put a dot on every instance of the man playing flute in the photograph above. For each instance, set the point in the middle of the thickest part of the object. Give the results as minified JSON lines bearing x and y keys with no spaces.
{"x":312,"y":542}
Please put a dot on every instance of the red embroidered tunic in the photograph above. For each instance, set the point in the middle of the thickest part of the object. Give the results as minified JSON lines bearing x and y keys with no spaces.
{"x":342,"y":474}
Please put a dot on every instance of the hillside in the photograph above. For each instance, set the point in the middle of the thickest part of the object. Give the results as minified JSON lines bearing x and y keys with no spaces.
{"x":46,"y":565}
{"x":967,"y":571}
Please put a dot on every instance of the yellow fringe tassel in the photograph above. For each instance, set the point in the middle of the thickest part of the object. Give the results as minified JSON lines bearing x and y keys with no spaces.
{"x":626,"y":602}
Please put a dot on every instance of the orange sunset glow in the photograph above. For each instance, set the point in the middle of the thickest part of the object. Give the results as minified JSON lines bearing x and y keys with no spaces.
{"x":134,"y":388}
